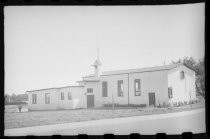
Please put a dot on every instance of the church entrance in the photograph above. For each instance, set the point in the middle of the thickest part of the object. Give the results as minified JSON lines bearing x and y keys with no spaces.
{"x":90,"y":101}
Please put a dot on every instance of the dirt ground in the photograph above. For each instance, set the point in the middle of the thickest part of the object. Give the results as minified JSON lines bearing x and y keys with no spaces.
{"x":14,"y":119}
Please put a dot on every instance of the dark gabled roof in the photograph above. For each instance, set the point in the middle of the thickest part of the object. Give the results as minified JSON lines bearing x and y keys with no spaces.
{"x":54,"y":88}
{"x":147,"y":69}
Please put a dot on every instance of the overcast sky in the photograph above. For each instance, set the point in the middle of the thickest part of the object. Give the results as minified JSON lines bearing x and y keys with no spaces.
{"x":54,"y":46}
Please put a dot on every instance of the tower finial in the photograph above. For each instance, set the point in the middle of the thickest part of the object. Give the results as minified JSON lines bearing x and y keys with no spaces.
{"x":97,"y":65}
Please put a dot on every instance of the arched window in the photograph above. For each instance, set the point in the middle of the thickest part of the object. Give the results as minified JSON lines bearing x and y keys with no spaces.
{"x":182,"y":75}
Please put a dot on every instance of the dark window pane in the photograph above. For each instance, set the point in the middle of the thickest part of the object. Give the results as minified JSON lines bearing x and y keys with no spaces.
{"x":89,"y":90}
{"x":47,"y":98}
{"x":182,"y":75}
{"x":69,"y":95}
{"x":104,"y":89}
{"x":34,"y":98}
{"x":120,"y":87}
{"x":137,"y":87}
{"x":170,"y":93}
{"x":62,"y":96}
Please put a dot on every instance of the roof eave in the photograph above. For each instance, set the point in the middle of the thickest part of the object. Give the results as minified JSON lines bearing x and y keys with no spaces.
{"x":55,"y":88}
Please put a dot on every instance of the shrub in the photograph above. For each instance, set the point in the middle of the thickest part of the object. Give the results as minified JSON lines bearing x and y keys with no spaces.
{"x":143,"y":105}
{"x":15,"y":103}
{"x":168,"y":105}
{"x":158,"y":106}
{"x":125,"y":105}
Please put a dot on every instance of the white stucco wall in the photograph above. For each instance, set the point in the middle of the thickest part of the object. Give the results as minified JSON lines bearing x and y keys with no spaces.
{"x":112,"y":88}
{"x":150,"y":82}
{"x":182,"y":88}
{"x":77,"y":95}
{"x":155,"y":82}
{"x":40,"y":104}
{"x":55,"y":99}
{"x":96,"y":92}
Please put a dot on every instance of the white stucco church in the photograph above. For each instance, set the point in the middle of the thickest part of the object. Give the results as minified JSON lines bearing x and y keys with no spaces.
{"x":147,"y":86}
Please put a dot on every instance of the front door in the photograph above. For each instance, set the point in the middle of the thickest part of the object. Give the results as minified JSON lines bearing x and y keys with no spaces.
{"x":90,"y":101}
{"x":152,"y":99}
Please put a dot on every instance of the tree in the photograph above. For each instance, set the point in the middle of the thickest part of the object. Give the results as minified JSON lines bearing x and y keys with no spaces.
{"x":6,"y":98}
{"x":199,"y":68}
{"x":200,"y":78}
{"x":13,"y":97}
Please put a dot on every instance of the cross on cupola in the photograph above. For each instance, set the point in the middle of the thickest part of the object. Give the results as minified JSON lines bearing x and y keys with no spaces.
{"x":97,"y":64}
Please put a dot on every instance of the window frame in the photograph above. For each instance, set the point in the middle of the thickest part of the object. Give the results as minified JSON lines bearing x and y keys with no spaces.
{"x":34,"y":98}
{"x":120,"y":90}
{"x":170,"y":92}
{"x":47,"y":101}
{"x":90,"y":91}
{"x":105,"y":89}
{"x":69,"y":96}
{"x":136,"y":91}
{"x":62,"y":96}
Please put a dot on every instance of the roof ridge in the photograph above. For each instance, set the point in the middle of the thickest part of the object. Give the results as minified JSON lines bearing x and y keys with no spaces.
{"x":170,"y":66}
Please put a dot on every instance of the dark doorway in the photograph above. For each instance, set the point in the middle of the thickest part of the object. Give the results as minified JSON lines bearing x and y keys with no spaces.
{"x":90,"y":101}
{"x":152,"y":99}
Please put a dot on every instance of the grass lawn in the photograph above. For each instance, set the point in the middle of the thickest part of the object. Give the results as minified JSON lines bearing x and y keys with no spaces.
{"x":34,"y":118}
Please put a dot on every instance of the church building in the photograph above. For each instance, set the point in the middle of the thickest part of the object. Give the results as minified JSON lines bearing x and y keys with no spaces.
{"x":168,"y":84}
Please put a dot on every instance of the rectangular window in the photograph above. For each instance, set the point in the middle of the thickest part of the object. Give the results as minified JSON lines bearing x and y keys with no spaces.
{"x":34,"y":97}
{"x":62,"y":96}
{"x":137,"y":87}
{"x":89,"y":90}
{"x":120,"y":88}
{"x":104,"y":89}
{"x":47,"y":98}
{"x":69,"y":95}
{"x":170,"y":93}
